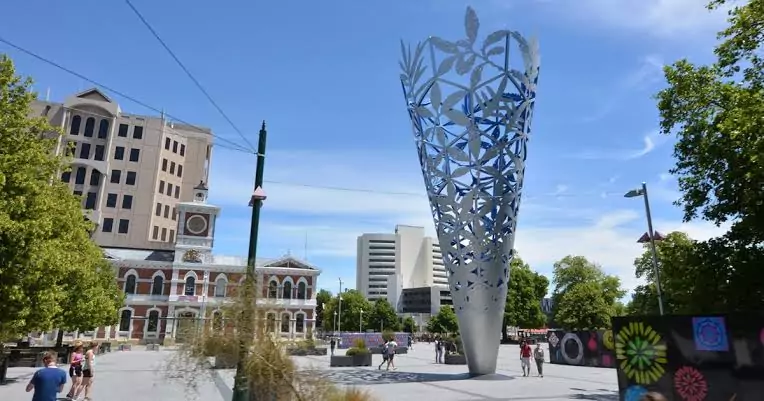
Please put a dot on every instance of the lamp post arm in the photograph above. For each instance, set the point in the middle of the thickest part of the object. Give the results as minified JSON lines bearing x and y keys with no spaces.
{"x":651,"y":234}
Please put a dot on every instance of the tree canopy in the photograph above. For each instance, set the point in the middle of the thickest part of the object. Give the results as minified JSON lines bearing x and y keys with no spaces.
{"x":444,"y":322}
{"x":383,"y":317}
{"x":584,"y":296}
{"x":717,"y":113}
{"x":526,"y":290}
{"x":47,"y":260}
{"x":323,"y":296}
{"x":353,"y":302}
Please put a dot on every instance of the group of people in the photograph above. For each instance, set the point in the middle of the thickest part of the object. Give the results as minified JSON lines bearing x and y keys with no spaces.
{"x":525,"y":358}
{"x":50,"y":380}
{"x":388,"y":354}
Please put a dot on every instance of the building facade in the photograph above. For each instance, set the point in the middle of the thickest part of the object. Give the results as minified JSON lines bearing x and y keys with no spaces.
{"x":403,"y":259}
{"x":131,"y":170}
{"x":169,"y":290}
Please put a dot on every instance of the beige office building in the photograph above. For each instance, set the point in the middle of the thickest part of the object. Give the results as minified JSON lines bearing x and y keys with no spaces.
{"x":130,"y":170}
{"x":390,"y":262}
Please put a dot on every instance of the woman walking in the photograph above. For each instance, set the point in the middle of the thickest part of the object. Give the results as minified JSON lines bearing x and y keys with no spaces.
{"x":75,"y":369}
{"x":88,"y":365}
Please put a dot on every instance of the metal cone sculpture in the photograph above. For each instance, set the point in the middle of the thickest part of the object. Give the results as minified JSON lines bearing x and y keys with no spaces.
{"x":471,"y":115}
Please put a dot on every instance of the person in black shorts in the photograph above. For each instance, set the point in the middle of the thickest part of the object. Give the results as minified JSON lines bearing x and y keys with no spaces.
{"x":75,"y":369}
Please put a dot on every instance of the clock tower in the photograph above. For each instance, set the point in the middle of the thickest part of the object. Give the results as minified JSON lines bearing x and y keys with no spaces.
{"x":196,"y":228}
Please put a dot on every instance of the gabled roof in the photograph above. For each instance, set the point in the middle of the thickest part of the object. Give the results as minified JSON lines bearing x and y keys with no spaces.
{"x":290,"y":262}
{"x":94,"y":94}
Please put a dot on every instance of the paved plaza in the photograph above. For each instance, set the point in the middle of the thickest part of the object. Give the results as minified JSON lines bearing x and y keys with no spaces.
{"x":140,"y":374}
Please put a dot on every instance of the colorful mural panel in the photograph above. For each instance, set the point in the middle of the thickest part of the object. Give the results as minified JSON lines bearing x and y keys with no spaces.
{"x":582,"y":348}
{"x":690,"y":358}
{"x":372,"y":339}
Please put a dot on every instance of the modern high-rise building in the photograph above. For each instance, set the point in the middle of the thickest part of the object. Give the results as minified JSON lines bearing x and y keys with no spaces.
{"x":388,"y":263}
{"x":131,"y":170}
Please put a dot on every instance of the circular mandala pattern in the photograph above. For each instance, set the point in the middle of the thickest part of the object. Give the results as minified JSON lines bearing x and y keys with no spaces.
{"x":690,"y":384}
{"x":710,"y":334}
{"x":640,"y":352}
{"x":634,"y":393}
{"x":607,"y":339}
{"x":553,"y":340}
{"x":579,"y":354}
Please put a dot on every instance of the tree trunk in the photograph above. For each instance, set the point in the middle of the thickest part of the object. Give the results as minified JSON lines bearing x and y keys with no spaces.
{"x":60,"y":338}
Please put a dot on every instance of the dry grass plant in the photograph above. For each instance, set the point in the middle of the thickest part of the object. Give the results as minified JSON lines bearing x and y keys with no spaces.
{"x":270,"y":372}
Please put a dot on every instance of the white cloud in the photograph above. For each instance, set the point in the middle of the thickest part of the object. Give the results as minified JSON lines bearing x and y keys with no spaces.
{"x":549,"y":227}
{"x":662,"y":19}
{"x":649,"y":143}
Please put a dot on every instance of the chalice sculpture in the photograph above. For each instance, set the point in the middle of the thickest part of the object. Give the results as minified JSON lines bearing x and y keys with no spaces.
{"x":471,"y":116}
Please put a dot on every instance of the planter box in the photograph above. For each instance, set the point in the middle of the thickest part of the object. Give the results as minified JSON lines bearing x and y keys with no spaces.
{"x":125,"y":347}
{"x":455,"y":359}
{"x":307,"y":351}
{"x":350,"y":361}
{"x":225,"y":362}
{"x":398,"y":350}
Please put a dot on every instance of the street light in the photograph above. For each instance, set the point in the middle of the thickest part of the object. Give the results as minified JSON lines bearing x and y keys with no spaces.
{"x":339,"y":309}
{"x":651,"y":234}
{"x":360,"y":321}
{"x":335,"y":323}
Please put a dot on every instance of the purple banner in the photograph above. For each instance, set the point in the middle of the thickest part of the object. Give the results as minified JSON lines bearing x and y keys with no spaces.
{"x":371,"y":339}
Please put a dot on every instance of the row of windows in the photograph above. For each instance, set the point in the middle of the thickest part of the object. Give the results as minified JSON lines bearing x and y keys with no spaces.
{"x":108,"y":225}
{"x":155,"y":234}
{"x":175,"y":144}
{"x":127,"y":201}
{"x":287,"y":291}
{"x":90,"y":199}
{"x":84,"y":151}
{"x":126,"y":317}
{"x":159,"y":208}
{"x":116,"y":177}
{"x":172,"y":167}
{"x":137,"y":131}
{"x":103,"y":127}
{"x":119,"y":153}
{"x":79,"y":177}
{"x":157,"y":286}
{"x":167,"y":188}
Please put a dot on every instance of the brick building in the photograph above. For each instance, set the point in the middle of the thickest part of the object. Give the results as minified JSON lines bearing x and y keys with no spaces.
{"x":166,"y":290}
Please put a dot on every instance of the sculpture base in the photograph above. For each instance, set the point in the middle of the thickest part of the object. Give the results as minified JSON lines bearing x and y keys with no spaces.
{"x":491,"y":377}
{"x":480,"y":314}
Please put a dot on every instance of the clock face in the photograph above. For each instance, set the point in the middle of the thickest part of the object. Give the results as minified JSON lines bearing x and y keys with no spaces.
{"x":197,"y":224}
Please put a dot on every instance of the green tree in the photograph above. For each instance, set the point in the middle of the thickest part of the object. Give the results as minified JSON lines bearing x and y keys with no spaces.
{"x":383,"y":316}
{"x":323,"y":297}
{"x":526,"y":290}
{"x":409,"y":325}
{"x":716,"y":111}
{"x":353,"y":302}
{"x":47,"y":259}
{"x":584,"y":296}
{"x":444,"y":322}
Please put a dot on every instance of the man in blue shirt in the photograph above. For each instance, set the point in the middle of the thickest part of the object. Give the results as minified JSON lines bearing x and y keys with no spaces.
{"x":48,"y":381}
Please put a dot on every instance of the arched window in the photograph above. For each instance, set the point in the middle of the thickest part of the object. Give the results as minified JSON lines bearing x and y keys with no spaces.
{"x":130,"y":281}
{"x":220,"y":286}
{"x":299,"y":324}
{"x":217,"y":321}
{"x":271,"y":322}
{"x":89,"y":126}
{"x":124,"y":320}
{"x":157,"y":286}
{"x":302,"y":290}
{"x":285,"y":318}
{"x":273,"y":289}
{"x":287,"y":293}
{"x":103,"y":129}
{"x":75,"y":127}
{"x":153,"y":321}
{"x":190,"y":286}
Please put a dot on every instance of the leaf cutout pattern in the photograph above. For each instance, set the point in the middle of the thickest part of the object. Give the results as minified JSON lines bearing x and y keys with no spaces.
{"x":471,"y":118}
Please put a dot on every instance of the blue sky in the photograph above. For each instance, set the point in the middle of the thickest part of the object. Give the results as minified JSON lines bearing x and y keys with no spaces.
{"x":325,"y":77}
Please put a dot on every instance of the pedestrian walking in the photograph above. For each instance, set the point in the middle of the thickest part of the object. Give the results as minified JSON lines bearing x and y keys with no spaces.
{"x":438,"y":350}
{"x":75,"y":369}
{"x":538,"y":355}
{"x":525,"y":358}
{"x":332,"y":344}
{"x":384,"y":357}
{"x":391,"y":347}
{"x":88,"y":371}
{"x":48,"y":381}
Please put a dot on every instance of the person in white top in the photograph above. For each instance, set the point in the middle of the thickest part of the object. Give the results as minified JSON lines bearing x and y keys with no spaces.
{"x":391,"y":346}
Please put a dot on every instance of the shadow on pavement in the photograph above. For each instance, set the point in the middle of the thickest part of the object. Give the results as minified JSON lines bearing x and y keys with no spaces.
{"x":608,"y":395}
{"x":369,"y":376}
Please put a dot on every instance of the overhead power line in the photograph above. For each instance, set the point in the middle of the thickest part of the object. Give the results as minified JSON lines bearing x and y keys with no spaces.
{"x":119,"y":93}
{"x":190,"y":75}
